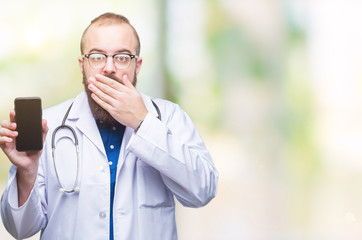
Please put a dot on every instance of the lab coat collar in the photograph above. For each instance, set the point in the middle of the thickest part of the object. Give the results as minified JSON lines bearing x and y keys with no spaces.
{"x":85,"y":121}
{"x":80,"y":107}
{"x":149,"y":105}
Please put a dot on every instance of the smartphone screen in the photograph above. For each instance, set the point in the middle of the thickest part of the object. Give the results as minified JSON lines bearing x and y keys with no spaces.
{"x":28,"y":118}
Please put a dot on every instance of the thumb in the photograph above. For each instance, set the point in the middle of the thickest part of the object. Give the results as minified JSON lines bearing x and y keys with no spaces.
{"x":45,"y":128}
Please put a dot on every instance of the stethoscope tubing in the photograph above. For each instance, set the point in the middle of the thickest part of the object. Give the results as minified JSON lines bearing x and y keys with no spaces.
{"x":75,"y":187}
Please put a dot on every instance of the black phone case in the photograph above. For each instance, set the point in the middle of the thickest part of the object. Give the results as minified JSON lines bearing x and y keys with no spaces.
{"x":28,"y":118}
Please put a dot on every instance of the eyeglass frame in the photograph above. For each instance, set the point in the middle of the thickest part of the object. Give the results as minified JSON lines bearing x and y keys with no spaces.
{"x":132,"y":56}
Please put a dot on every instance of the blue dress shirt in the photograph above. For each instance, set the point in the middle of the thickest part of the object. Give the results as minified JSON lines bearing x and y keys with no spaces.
{"x":112,"y":141}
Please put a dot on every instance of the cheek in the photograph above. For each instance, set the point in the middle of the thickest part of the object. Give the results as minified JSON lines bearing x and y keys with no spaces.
{"x":89,"y":72}
{"x":85,"y":76}
{"x":131,"y":75}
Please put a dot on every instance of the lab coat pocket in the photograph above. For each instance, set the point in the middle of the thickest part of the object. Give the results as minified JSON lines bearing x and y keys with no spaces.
{"x":152,"y":192}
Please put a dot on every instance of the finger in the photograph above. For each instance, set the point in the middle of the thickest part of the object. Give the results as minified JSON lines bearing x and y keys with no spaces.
{"x":12,"y":116}
{"x":4,"y":132}
{"x":44,"y":124}
{"x":115,"y":83}
{"x":100,"y":102}
{"x":127,"y":82}
{"x":9,"y":125}
{"x":100,"y":94}
{"x":108,"y":90}
{"x":45,"y":128}
{"x":4,"y":140}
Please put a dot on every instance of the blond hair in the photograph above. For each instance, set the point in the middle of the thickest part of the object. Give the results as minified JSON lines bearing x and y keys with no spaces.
{"x":108,"y":19}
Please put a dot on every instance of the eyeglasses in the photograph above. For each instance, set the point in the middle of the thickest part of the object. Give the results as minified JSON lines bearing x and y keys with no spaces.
{"x":99,"y":60}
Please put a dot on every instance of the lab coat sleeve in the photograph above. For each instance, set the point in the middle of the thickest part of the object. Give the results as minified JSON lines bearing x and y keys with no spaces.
{"x":26,"y":220}
{"x":176,"y":150}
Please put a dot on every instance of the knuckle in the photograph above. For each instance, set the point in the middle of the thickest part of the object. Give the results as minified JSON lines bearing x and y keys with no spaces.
{"x":103,"y":97}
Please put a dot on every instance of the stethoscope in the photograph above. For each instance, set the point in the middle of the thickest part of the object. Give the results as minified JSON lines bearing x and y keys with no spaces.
{"x":75,"y":187}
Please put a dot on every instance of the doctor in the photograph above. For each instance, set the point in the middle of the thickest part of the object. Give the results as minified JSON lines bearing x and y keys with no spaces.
{"x":136,"y":154}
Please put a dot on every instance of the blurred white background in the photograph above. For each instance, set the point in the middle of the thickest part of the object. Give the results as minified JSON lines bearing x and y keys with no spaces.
{"x":272,"y":85}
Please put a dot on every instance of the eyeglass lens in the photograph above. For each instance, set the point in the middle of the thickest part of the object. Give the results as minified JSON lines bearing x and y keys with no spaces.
{"x":97,"y":60}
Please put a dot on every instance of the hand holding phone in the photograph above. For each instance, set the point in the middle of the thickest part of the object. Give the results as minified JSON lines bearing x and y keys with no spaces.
{"x":28,"y":118}
{"x":25,"y":132}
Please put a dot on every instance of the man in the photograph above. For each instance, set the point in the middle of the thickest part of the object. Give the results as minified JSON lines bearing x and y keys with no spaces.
{"x":136,"y":154}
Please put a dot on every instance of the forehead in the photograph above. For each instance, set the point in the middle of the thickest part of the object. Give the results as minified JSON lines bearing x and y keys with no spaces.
{"x":110,"y":38}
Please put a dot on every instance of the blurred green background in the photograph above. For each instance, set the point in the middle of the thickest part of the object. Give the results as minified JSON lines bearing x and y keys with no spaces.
{"x":274,"y":87}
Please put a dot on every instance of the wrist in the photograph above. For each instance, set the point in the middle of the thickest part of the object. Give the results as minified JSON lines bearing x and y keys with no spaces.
{"x":140,"y":120}
{"x":28,"y":173}
{"x":26,"y":177}
{"x":139,"y":125}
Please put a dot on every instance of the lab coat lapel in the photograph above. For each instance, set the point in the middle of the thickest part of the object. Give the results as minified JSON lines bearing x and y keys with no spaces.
{"x":85,"y":121}
{"x":124,"y":152}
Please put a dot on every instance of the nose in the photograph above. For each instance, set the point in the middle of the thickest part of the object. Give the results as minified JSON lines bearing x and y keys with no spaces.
{"x":109,"y":68}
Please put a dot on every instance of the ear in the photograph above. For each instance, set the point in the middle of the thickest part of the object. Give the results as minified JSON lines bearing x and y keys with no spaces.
{"x":138,"y":65}
{"x":81,"y":63}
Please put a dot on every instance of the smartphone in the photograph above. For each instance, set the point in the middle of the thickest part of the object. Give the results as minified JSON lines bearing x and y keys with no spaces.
{"x":28,"y":118}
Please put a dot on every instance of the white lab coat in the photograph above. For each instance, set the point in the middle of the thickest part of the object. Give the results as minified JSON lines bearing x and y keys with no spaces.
{"x":160,"y":161}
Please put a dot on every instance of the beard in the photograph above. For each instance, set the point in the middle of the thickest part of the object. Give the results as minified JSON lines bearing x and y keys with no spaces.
{"x":98,"y":112}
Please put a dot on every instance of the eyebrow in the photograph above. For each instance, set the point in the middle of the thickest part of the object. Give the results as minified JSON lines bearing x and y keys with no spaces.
{"x":102,"y":51}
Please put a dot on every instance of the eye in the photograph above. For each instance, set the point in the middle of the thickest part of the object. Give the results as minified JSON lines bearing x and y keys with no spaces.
{"x":96,"y":57}
{"x":121,"y":58}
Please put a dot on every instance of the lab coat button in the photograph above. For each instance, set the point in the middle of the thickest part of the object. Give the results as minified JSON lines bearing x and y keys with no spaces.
{"x":102,"y":215}
{"x":111,"y":146}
